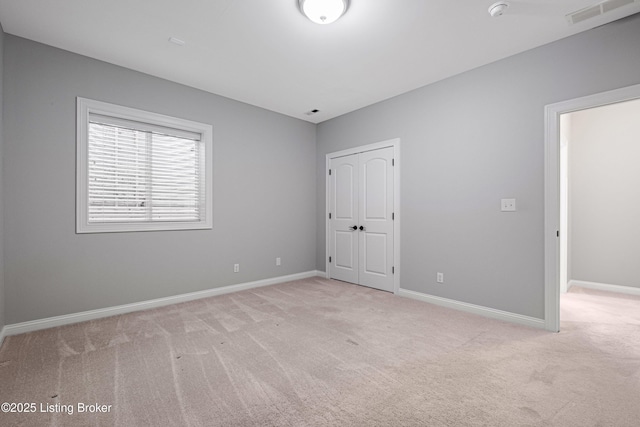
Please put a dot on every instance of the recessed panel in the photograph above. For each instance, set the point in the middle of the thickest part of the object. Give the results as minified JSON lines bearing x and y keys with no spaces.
{"x":344,"y":192}
{"x":375,"y":189}
{"x":344,"y":249}
{"x":375,"y":255}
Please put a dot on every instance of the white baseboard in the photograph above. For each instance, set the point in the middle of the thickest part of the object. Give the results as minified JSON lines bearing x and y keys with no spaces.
{"x":52,"y":322}
{"x":629,"y":290}
{"x":2,"y":335}
{"x":474,"y":309}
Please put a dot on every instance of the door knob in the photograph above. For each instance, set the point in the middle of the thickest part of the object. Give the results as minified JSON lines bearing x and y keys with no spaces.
{"x":354,"y":228}
{"x":362,"y":228}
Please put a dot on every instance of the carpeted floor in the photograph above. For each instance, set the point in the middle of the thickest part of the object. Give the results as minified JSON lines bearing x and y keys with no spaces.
{"x":318,"y":352}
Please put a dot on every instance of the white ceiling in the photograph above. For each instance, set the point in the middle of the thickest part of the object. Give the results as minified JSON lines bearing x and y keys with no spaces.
{"x":266,"y":53}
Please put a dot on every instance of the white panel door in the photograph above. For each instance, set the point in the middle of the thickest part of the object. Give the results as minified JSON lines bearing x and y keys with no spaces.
{"x":361,"y":224}
{"x":344,"y":218}
{"x":375,"y":197}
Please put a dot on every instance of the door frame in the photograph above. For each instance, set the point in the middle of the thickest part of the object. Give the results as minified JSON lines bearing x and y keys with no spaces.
{"x":552,"y":113}
{"x":395,"y":144}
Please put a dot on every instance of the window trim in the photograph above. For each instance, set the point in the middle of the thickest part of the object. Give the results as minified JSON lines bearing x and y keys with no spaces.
{"x":87,"y":107}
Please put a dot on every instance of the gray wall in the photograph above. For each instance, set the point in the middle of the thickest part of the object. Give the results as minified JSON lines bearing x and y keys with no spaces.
{"x":605,"y":201}
{"x":2,"y":299}
{"x":469,"y":141}
{"x":264,"y":192}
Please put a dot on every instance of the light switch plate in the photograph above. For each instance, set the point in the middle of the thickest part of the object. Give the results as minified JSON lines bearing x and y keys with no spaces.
{"x":508,"y":205}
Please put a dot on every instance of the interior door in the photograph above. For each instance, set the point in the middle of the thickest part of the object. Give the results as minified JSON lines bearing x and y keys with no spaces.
{"x":375,"y":196}
{"x":344,"y":218}
{"x":361,"y":223}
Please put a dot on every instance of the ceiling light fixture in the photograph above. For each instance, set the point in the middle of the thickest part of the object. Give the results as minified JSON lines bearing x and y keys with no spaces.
{"x":323,"y":11}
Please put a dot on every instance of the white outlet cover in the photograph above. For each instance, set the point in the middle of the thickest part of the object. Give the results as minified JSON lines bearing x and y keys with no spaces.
{"x":508,"y":205}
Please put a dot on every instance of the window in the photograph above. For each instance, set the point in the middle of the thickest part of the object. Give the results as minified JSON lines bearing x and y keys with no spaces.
{"x":141,"y":171}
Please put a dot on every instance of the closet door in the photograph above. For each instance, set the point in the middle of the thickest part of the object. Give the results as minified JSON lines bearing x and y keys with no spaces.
{"x":375,"y":197}
{"x":361,"y":224}
{"x":344,"y":219}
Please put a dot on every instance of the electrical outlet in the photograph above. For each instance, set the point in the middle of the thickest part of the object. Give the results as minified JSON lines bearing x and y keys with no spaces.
{"x":508,"y":205}
{"x":236,"y":268}
{"x":278,"y":261}
{"x":440,"y":277}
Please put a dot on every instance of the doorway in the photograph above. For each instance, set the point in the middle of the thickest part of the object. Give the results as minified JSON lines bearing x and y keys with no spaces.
{"x":599,"y":201}
{"x":363,"y":215}
{"x":555,"y":213}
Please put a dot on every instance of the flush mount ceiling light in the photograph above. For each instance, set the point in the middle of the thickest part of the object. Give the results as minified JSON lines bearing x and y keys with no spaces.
{"x":323,"y":11}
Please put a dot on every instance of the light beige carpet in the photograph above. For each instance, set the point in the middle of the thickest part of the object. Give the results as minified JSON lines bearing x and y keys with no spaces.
{"x":319,"y":352}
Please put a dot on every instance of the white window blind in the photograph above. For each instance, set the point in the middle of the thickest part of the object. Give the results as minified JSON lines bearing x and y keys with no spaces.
{"x":140,"y":172}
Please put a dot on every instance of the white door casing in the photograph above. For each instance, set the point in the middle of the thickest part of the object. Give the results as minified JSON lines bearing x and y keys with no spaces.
{"x":552,"y":190}
{"x":366,"y":256}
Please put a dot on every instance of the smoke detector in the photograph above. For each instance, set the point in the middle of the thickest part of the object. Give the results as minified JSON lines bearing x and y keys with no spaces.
{"x":498,"y":8}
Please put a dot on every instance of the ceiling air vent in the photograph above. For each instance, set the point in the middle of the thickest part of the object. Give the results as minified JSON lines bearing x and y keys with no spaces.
{"x":614,"y":4}
{"x":597,"y":10}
